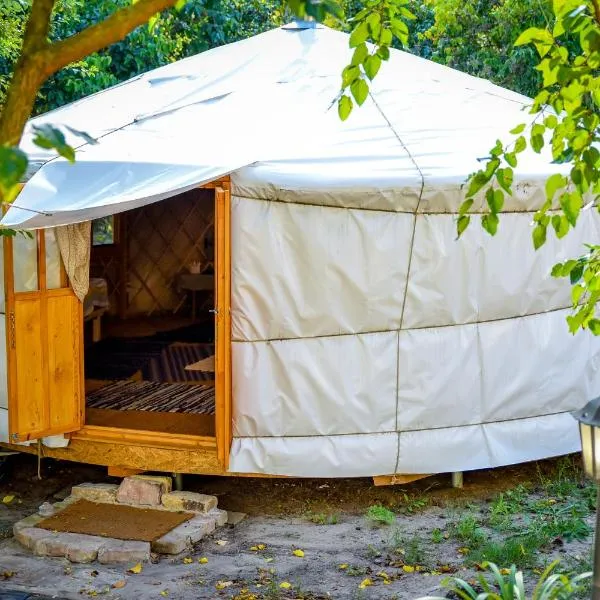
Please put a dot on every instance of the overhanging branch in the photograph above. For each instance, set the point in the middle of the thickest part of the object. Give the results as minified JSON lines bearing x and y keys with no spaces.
{"x":113,"y":29}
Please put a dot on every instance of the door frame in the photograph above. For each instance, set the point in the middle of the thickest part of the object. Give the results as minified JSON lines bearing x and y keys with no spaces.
{"x":221,"y":442}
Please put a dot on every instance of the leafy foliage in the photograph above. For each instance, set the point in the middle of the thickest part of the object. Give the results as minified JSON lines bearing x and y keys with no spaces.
{"x":566,"y":118}
{"x":372,"y":36}
{"x":509,"y":584}
{"x":477,"y":37}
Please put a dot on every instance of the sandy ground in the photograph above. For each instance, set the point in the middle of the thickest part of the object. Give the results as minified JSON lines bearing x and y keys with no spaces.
{"x":284,"y":515}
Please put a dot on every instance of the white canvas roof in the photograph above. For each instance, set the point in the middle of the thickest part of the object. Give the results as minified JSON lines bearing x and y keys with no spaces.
{"x":269,"y":102}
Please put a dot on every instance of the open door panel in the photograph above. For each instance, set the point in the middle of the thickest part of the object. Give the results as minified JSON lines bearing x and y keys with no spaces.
{"x":44,"y":340}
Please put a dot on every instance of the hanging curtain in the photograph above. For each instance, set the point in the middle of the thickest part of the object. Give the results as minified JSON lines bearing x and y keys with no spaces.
{"x":74,"y":242}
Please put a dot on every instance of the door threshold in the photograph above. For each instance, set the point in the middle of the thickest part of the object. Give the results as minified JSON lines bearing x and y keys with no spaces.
{"x":141,"y":437}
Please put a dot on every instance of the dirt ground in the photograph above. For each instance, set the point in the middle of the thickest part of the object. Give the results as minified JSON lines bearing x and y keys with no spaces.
{"x":434,"y":531}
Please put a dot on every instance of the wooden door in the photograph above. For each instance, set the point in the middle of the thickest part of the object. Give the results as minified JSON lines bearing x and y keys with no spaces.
{"x":223,"y":412}
{"x":44,"y":332}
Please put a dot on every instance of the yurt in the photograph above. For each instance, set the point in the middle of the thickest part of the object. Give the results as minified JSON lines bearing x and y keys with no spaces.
{"x":230,"y":280}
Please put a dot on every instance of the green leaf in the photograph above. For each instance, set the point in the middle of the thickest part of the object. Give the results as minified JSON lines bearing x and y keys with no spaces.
{"x":465,"y":207}
{"x":462,"y":224}
{"x":491,"y":167}
{"x":400,"y":30}
{"x":383,"y":52}
{"x":511,"y":159}
{"x":541,"y":38}
{"x":51,"y":138}
{"x":385,"y":38}
{"x":504,"y":177}
{"x":539,"y":236}
{"x":594,"y":326}
{"x":476,"y":182}
{"x":82,"y":134}
{"x":13,"y":165}
{"x":349,"y":74}
{"x":576,"y":273}
{"x":360,"y":53}
{"x":372,"y":65}
{"x":180,"y":4}
{"x":550,"y":121}
{"x":344,"y":107}
{"x":374,"y":22}
{"x":360,"y":90}
{"x":520,"y":144}
{"x":554,"y":183}
{"x":571,"y":203}
{"x":518,"y":129}
{"x":557,"y":270}
{"x":490,"y":223}
{"x":495,"y":199}
{"x":561,"y":225}
{"x":359,"y":35}
{"x":577,"y":292}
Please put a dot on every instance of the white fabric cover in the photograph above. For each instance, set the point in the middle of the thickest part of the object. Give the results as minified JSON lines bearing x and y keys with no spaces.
{"x":366,"y":339}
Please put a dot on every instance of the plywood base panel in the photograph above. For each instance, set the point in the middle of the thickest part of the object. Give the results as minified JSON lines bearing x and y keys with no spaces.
{"x":126,"y":456}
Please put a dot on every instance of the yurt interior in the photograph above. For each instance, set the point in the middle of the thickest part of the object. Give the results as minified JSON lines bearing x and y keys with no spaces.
{"x":149,"y":317}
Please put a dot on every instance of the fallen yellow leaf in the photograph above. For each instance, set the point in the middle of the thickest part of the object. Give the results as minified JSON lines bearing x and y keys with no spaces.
{"x":119,"y":584}
{"x":222,"y":542}
{"x":258,"y":547}
{"x":408,"y":569}
{"x":7,"y":499}
{"x":268,"y":559}
{"x":285,"y":585}
{"x":164,"y":593}
{"x":136,"y":569}
{"x":203,"y":560}
{"x":299,"y":553}
{"x":463,"y":550}
{"x":188,"y":560}
{"x":221,"y":585}
{"x":7,"y":574}
{"x":343,"y":566}
{"x":365,"y":583}
{"x":383,"y":574}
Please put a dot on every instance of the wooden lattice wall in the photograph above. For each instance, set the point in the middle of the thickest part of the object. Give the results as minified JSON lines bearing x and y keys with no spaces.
{"x":158,"y":242}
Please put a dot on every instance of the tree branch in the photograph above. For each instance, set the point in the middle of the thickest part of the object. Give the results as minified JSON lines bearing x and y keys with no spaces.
{"x":113,"y":29}
{"x":596,"y":4}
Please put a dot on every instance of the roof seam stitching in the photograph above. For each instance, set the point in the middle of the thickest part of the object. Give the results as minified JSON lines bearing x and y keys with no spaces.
{"x":410,"y":255}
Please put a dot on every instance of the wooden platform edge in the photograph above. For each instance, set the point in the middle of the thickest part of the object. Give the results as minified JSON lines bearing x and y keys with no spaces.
{"x":399,"y":479}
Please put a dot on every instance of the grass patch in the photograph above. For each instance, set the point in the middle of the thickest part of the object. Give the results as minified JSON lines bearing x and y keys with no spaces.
{"x":413,"y":504}
{"x":437,"y":537}
{"x":380,"y":514}
{"x":522,"y":550}
{"x":468,"y":530}
{"x":411,"y":549}
{"x":323,"y":518}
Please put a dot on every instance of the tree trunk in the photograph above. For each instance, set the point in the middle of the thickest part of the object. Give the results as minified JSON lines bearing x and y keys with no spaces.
{"x":39,"y":59}
{"x":29,"y":74}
